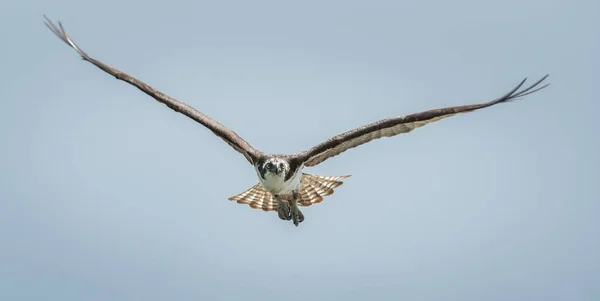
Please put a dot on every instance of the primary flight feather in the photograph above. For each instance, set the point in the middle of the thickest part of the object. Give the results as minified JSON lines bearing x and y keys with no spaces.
{"x":283,"y":187}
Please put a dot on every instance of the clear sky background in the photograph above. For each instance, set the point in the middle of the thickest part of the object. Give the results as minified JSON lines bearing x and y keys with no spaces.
{"x":106,"y":194}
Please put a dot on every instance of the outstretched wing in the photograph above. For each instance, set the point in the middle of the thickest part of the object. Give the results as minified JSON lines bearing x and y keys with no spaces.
{"x":399,"y":125}
{"x":225,"y":133}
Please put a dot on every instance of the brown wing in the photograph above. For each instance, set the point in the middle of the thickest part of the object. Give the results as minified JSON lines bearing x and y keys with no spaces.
{"x":225,"y":133}
{"x":399,"y":125}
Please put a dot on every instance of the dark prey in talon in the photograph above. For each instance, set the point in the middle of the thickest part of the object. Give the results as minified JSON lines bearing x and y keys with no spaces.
{"x":280,"y":177}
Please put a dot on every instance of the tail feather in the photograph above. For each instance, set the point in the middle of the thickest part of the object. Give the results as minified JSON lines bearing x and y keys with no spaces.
{"x":257,"y":198}
{"x":308,"y":195}
{"x":312,"y":191}
{"x":314,"y":188}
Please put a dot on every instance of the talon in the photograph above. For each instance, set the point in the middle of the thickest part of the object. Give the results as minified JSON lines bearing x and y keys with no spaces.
{"x":282,"y":214}
{"x":284,"y":211}
{"x":297,"y":215}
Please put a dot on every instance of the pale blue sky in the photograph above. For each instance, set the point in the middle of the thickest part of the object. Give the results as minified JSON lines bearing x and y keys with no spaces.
{"x":107,"y":195}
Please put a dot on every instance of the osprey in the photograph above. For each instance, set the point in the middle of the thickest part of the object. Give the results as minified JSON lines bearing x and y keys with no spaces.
{"x":283,"y":187}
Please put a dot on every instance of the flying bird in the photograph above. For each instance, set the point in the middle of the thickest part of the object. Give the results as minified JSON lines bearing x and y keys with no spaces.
{"x":283,"y":186}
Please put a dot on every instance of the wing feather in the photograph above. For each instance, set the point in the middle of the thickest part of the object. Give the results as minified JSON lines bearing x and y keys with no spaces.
{"x":400,"y":125}
{"x":229,"y":136}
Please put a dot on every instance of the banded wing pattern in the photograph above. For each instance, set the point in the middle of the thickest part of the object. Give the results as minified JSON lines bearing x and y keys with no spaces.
{"x":312,"y":191}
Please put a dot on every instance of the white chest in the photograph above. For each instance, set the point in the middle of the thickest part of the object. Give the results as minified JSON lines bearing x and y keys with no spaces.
{"x":275,"y":184}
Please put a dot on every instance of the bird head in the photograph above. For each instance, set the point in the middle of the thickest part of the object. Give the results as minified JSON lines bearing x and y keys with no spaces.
{"x":275,"y":166}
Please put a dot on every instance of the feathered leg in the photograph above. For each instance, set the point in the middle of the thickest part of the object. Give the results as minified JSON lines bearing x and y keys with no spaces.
{"x":296,"y":213}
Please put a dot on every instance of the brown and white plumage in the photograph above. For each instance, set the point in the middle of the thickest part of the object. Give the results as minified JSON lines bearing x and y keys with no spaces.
{"x":313,"y":190}
{"x":400,"y":125}
{"x":282,"y":186}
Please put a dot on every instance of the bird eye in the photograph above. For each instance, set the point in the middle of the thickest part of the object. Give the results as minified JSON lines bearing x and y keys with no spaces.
{"x":281,"y":165}
{"x":268,"y":165}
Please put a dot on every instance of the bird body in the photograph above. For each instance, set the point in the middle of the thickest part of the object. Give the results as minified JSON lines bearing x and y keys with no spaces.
{"x":275,"y":182}
{"x":283,"y":186}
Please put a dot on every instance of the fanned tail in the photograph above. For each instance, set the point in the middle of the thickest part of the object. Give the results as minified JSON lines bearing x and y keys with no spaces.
{"x":256,"y":197}
{"x":314,"y":188}
{"x":312,"y":191}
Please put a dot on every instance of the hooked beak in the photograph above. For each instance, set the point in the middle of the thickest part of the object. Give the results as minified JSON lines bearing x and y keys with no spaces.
{"x":275,"y":169}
